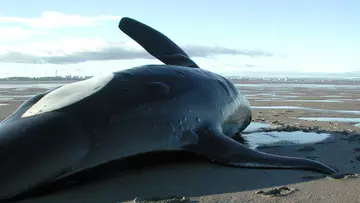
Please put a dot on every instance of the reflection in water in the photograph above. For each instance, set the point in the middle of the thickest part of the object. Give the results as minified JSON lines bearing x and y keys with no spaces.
{"x":283,"y":138}
{"x":279,"y":138}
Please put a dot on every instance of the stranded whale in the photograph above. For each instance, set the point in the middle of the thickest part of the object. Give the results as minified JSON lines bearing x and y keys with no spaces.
{"x":79,"y":127}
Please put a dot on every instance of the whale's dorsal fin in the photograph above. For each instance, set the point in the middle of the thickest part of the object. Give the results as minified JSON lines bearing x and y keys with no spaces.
{"x":156,"y":43}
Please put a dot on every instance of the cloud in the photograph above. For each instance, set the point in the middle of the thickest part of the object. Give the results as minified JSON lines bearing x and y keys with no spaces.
{"x":52,"y":19}
{"x":70,"y":51}
{"x":201,"y":51}
{"x":16,"y":33}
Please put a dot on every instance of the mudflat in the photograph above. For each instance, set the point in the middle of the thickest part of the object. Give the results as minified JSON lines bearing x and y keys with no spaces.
{"x":280,"y":104}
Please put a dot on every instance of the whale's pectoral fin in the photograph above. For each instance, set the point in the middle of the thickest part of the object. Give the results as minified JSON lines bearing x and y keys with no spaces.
{"x":209,"y":141}
{"x":156,"y":43}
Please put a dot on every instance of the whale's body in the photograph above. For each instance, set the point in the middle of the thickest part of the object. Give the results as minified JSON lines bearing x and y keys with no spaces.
{"x":150,"y":108}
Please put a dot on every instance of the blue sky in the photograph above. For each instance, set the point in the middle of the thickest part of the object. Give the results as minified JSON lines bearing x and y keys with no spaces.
{"x":296,"y":36}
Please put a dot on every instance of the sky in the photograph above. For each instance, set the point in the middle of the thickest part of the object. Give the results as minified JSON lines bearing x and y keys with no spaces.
{"x":256,"y":37}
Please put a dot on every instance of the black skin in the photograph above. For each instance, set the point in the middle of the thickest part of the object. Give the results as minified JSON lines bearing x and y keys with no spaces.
{"x":128,"y":91}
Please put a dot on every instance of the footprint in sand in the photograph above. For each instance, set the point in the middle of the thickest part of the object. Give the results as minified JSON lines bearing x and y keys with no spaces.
{"x":342,"y":176}
{"x":277,"y":192}
{"x":167,"y":199}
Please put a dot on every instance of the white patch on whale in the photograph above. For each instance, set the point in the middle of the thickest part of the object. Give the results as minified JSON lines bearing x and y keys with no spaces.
{"x":68,"y":94}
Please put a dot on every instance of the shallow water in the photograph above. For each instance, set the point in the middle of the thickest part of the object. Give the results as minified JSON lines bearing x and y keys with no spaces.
{"x":355,"y":112}
{"x":315,"y":100}
{"x":278,"y":107}
{"x":30,"y":85}
{"x":6,"y":99}
{"x":349,"y":99}
{"x":283,"y":138}
{"x":301,"y":100}
{"x":268,"y":100}
{"x":290,"y":86}
{"x":17,"y":96}
{"x":338,"y":96}
{"x":279,"y":138}
{"x":331,"y":119}
{"x":286,"y":96}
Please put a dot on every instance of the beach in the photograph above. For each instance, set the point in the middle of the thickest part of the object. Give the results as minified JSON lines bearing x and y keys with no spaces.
{"x":322,"y":108}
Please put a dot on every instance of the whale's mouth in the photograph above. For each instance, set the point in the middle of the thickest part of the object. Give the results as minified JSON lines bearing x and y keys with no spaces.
{"x":68,"y":94}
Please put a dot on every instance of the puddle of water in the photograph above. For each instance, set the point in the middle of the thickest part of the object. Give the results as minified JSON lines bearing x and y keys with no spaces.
{"x":6,"y":99}
{"x":277,"y":107}
{"x":290,"y":86}
{"x":256,"y":126}
{"x":340,"y":96}
{"x":34,"y":85}
{"x":17,"y":96}
{"x":283,"y":138}
{"x":350,"y":99}
{"x":315,"y":100}
{"x":267,"y":100}
{"x":305,"y":108}
{"x":301,"y":100}
{"x":266,"y":94}
{"x":331,"y":119}
{"x":287,"y":96}
{"x":251,"y":95}
{"x":279,"y":138}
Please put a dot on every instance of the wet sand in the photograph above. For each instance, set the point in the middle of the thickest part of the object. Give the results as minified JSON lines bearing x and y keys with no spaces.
{"x":208,"y":182}
{"x":341,"y":102}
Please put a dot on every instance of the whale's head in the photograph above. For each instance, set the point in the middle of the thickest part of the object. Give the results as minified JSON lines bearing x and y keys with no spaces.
{"x":239,"y":114}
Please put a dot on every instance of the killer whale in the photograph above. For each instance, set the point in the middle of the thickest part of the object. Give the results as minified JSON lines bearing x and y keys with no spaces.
{"x":83,"y":126}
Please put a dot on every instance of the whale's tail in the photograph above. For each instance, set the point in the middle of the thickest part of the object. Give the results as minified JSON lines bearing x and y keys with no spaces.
{"x":156,"y":43}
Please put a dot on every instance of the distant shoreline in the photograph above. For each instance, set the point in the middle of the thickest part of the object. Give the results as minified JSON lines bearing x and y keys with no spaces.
{"x":37,"y":81}
{"x":243,"y":80}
